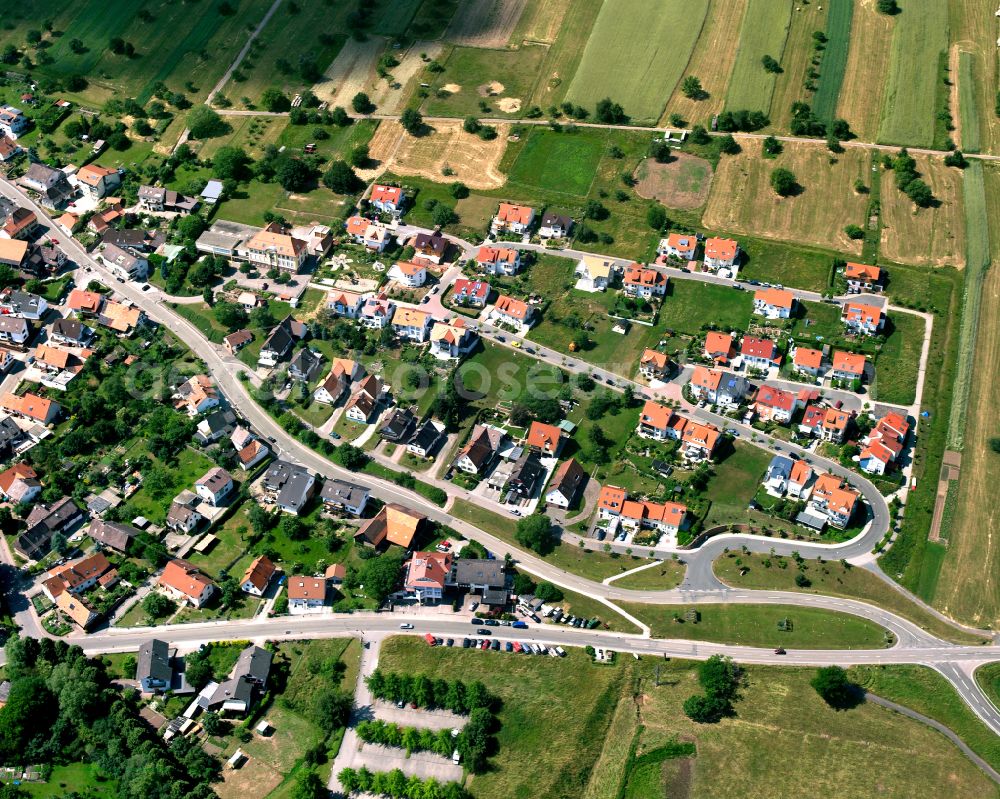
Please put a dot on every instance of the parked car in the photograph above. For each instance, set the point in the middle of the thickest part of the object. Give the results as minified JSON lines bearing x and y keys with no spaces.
{"x":405,"y":626}
{"x":484,"y":631}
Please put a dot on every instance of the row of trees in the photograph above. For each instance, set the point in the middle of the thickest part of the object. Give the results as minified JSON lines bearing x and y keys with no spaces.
{"x":421,"y":690}
{"x":396,"y":785}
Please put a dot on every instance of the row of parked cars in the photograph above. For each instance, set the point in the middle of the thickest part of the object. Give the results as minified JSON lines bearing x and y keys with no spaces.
{"x":521,"y":647}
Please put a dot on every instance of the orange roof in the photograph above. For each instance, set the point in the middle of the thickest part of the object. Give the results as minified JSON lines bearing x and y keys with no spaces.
{"x":492,"y":255}
{"x":410,"y":269}
{"x":658,"y":359}
{"x":80,"y":300}
{"x":92,"y":174}
{"x":511,"y":307}
{"x":259,"y":572}
{"x":705,"y":378}
{"x":801,"y":472}
{"x":306,"y":588}
{"x":13,"y":250}
{"x":682,"y":242}
{"x":858,"y":311}
{"x":68,"y":220}
{"x":409,"y":317}
{"x":806,"y":358}
{"x":30,"y":405}
{"x":391,"y":194}
{"x":185,"y":578}
{"x":401,"y":525}
{"x":54,"y":356}
{"x":612,"y":498}
{"x":515,"y":213}
{"x":655,"y":415}
{"x":635,"y":275}
{"x":721,"y":249}
{"x":271,"y":239}
{"x":863,"y":272}
{"x":719,"y":346}
{"x":704,"y":435}
{"x":543,"y":436}
{"x":428,"y":569}
{"x":19,"y":471}
{"x":834,"y":419}
{"x":848,"y":362}
{"x":779,"y":298}
{"x":838,"y":498}
{"x":357,"y":225}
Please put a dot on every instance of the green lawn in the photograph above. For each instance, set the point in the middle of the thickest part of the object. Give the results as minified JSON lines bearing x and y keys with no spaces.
{"x":473,"y":68}
{"x":81,"y":778}
{"x":898,"y":363}
{"x":560,"y":163}
{"x":831,"y":578}
{"x":190,"y":465}
{"x":230,"y":547}
{"x":553,"y":719}
{"x":636,"y":54}
{"x":757,"y":625}
{"x":787,"y":264}
{"x":734,"y":482}
{"x":662,"y":577}
{"x":764,"y":30}
{"x":689,"y":306}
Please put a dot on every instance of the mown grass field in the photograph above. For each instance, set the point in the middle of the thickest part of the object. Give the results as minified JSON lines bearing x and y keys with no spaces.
{"x":757,"y":625}
{"x":863,"y":88}
{"x":830,"y":578}
{"x":734,"y":482}
{"x":764,"y":30}
{"x":636,"y":55}
{"x":968,"y":97}
{"x":973,"y":29}
{"x":968,"y":587}
{"x":839,"y":17}
{"x":554,"y":715}
{"x":796,"y":61}
{"x":663,"y":576}
{"x":787,"y":264}
{"x":932,"y":236}
{"x":472,"y":68}
{"x":684,"y":307}
{"x":816,"y":215}
{"x":898,"y":362}
{"x":919,"y":36}
{"x":559,"y":163}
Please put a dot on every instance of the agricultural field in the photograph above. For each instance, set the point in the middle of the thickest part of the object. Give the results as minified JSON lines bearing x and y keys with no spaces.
{"x":253,"y":134}
{"x":501,"y":80}
{"x":969,"y":131}
{"x":973,"y":32}
{"x":932,"y":236}
{"x":554,"y":162}
{"x":485,"y":23}
{"x":576,"y":21}
{"x":541,"y":22}
{"x":711,"y":62}
{"x":816,"y":215}
{"x":683,"y":183}
{"x":834,"y":64}
{"x":764,"y":31}
{"x":636,"y":54}
{"x":919,"y":38}
{"x":796,"y":61}
{"x":863,"y":88}
{"x":973,"y":542}
{"x":177,"y":43}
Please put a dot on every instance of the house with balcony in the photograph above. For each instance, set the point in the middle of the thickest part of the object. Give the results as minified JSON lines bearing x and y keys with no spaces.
{"x":510,"y":218}
{"x":863,"y":319}
{"x":773,"y":303}
{"x":644,"y":283}
{"x":498,"y":260}
{"x":721,"y":254}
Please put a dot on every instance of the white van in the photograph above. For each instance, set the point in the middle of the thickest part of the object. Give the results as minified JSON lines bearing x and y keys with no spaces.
{"x":456,"y":757}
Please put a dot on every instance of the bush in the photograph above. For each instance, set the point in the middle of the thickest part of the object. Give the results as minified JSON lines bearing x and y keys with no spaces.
{"x":837,"y":691}
{"x":783,"y":181}
{"x":854,"y":232}
{"x":204,"y":123}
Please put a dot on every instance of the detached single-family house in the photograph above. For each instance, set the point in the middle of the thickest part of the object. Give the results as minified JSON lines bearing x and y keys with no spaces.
{"x":409,"y":274}
{"x":427,"y":575}
{"x":705,"y":383}
{"x":721,"y":254}
{"x":184,"y":582}
{"x":387,"y":199}
{"x":452,"y":340}
{"x":719,"y":347}
{"x":13,"y":122}
{"x":510,"y":218}
{"x":114,"y":535}
{"x":863,"y":278}
{"x":344,"y":303}
{"x":80,"y":575}
{"x":655,"y":365}
{"x":288,"y":485}
{"x":545,"y":438}
{"x":343,"y":372}
{"x":305,"y":365}
{"x":23,"y":304}
{"x":426,"y":438}
{"x":430,"y":246}
{"x":97,"y":181}
{"x":515,"y":313}
{"x":153,"y":670}
{"x":848,"y":366}
{"x":480,"y":450}
{"x":412,"y":324}
{"x":799,"y":480}
{"x":50,"y":185}
{"x":778,"y":473}
{"x":196,"y":395}
{"x":341,"y":496}
{"x":258,"y":576}
{"x":234,"y":342}
{"x":470,"y":293}
{"x":306,"y":594}
{"x":280,"y":341}
{"x":555,"y":226}
{"x":376,"y":312}
{"x":14,"y":331}
{"x":884,"y":443}
{"x":365,"y":400}
{"x":19,"y":483}
{"x":21,"y":224}
{"x":498,"y":260}
{"x":594,"y":272}
{"x":864,"y":319}
{"x":773,"y":303}
{"x":808,"y":361}
{"x":84,"y":303}
{"x":658,"y":422}
{"x":644,"y":283}
{"x":9,"y":148}
{"x":214,"y":486}
{"x":759,"y":353}
{"x":124,"y":264}
{"x":832,"y":499}
{"x":679,"y":245}
{"x":565,"y":484}
{"x":775,"y":404}
{"x":698,"y":441}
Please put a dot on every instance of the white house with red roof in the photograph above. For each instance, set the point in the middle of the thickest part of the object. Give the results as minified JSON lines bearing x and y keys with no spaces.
{"x":773,"y":303}
{"x":862,"y":318}
{"x":679,"y":245}
{"x":452,"y":340}
{"x":427,"y":575}
{"x":808,"y":361}
{"x":408,"y":274}
{"x":721,"y":254}
{"x":884,"y":444}
{"x":759,"y":353}
{"x":848,"y":366}
{"x":863,"y":277}
{"x":376,"y":312}
{"x":510,"y":218}
{"x":775,"y":404}
{"x":344,"y":303}
{"x":644,"y":282}
{"x":388,"y":199}
{"x":515,"y":313}
{"x":470,"y":293}
{"x":498,"y":260}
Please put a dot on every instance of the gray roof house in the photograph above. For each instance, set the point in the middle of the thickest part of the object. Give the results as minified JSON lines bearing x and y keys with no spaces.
{"x":289,"y":485}
{"x":70,"y":331}
{"x":341,"y":495}
{"x":305,"y":365}
{"x":247,"y":680}
{"x":115,"y":535}
{"x":153,"y":671}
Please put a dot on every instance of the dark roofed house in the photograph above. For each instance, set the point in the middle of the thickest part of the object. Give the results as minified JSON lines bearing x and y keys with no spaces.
{"x":288,"y":485}
{"x":341,"y":495}
{"x":479,"y":575}
{"x":425,"y":439}
{"x":566,"y":483}
{"x":524,"y":475}
{"x":247,"y":681}
{"x":115,"y":535}
{"x":305,"y":365}
{"x":555,"y":226}
{"x":432,"y":246}
{"x":217,"y":424}
{"x":70,"y":331}
{"x":10,"y":436}
{"x":51,"y":185}
{"x":153,"y":671}
{"x":280,"y":341}
{"x":398,"y":426}
{"x":234,"y":342}
{"x":43,"y":522}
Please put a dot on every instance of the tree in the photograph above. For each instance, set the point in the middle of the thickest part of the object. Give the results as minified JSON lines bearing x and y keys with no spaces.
{"x":381,"y":574}
{"x":31,"y":709}
{"x":443,"y":215}
{"x":412,"y":121}
{"x":341,"y":179}
{"x":339,"y":117}
{"x":471,"y":125}
{"x":699,"y":135}
{"x":274,"y":100}
{"x":230,"y":315}
{"x":802,"y":581}
{"x":331,"y":708}
{"x":362,"y":104}
{"x":294,"y":174}
{"x":889,"y":7}
{"x":231,"y":163}
{"x":204,"y":123}
{"x":832,"y":684}
{"x":157,"y":606}
{"x":783,"y":181}
{"x":729,"y":145}
{"x":704,"y":709}
{"x":213,"y":723}
{"x":351,"y":457}
{"x":771,"y":65}
{"x":656,"y":217}
{"x":957,"y":159}
{"x":535,"y":532}
{"x":920,"y":193}
{"x":692,"y":88}
{"x":547,"y":592}
{"x":360,"y":156}
{"x":854,"y":232}
{"x":610,"y":113}
{"x":308,"y":785}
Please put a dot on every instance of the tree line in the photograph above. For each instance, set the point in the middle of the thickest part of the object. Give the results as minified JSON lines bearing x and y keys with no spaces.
{"x":396,"y":785}
{"x":422,"y":691}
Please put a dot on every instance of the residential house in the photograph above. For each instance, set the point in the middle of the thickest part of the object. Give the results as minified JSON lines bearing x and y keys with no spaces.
{"x":430,"y":246}
{"x":84,"y":303}
{"x":732,"y":391}
{"x":545,"y":438}
{"x":344,"y":497}
{"x":398,"y":426}
{"x":13,"y":122}
{"x":721,"y":254}
{"x":212,"y":192}
{"x":272,"y":248}
{"x":196,"y":395}
{"x":157,"y":200}
{"x":182,"y":517}
{"x":808,"y":361}
{"x":524,"y":475}
{"x":799,"y":480}
{"x":43,"y":523}
{"x":247,"y":682}
{"x":699,"y":441}
{"x":885,"y":443}
{"x":773,"y":303}
{"x":234,"y":342}
{"x":215,"y":486}
{"x":318,"y":238}
{"x":184,"y":582}
{"x":9,"y":149}
{"x":834,"y":500}
{"x":44,"y":260}
{"x":453,"y":340}
{"x":280,"y":341}
{"x":50,"y":185}
{"x":412,"y":324}
{"x":114,"y":535}
{"x":215,"y":425}
{"x":154,"y":671}
{"x":252,"y":453}
{"x":498,"y":260}
{"x":97,"y":181}
{"x":393,"y":524}
{"x":257,"y":576}
{"x":77,"y":609}
{"x":644,"y":283}
{"x":134,"y":240}
{"x":470,"y":293}
{"x":21,"y":224}
{"x":776,"y":477}
{"x":667,"y":518}
{"x":866,"y":320}
{"x":565,"y":484}
{"x":759,"y":353}
{"x":515,"y":313}
{"x":376,"y":313}
{"x":863,"y":278}
{"x":679,"y":245}
{"x":31,"y":407}
{"x":79,"y":576}
{"x":719,"y":347}
{"x":22,"y":304}
{"x":594,"y":272}
{"x":364,"y":402}
{"x":19,"y":483}
{"x":655,"y":365}
{"x":344,"y":303}
{"x":122,"y":317}
{"x":555,"y":226}
{"x":483,"y":577}
{"x":833,"y":425}
{"x":306,"y":594}
{"x":387,"y":199}
{"x":289,"y":486}
{"x":335,"y":384}
{"x":427,"y":575}
{"x":10,"y":437}
{"x":426,"y":439}
{"x":480,"y":450}
{"x":658,"y":422}
{"x":848,"y":366}
{"x":13,"y":252}
{"x":705,"y":383}
{"x":610,"y":502}
{"x":124,"y":264}
{"x":775,"y":404}
{"x":408,"y":274}
{"x":305,"y":365}
{"x":510,"y":218}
